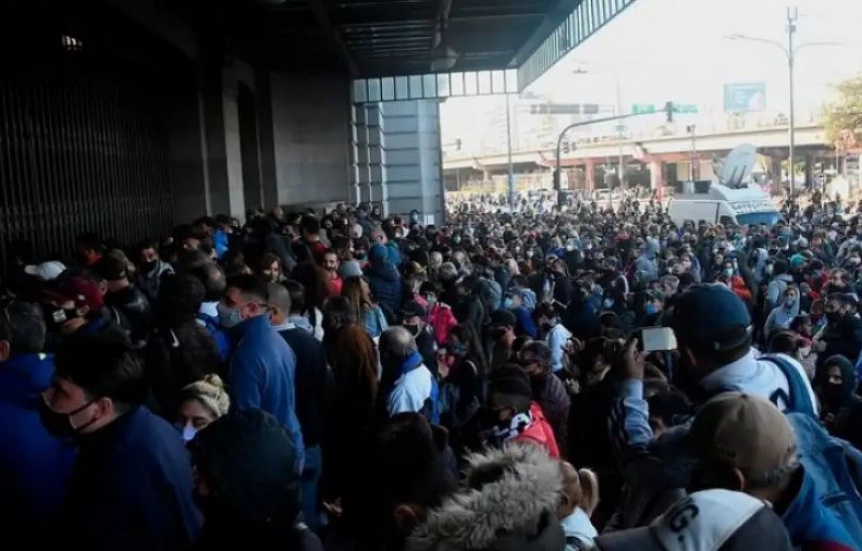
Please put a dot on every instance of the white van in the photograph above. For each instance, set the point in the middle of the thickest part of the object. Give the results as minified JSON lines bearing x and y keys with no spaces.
{"x":733,"y":198}
{"x":720,"y":204}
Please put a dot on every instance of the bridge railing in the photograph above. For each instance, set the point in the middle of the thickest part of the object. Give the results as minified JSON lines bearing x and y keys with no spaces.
{"x":705,"y":126}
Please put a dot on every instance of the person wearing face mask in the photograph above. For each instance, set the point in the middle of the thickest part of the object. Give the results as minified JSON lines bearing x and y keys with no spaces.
{"x":501,"y":335}
{"x":513,"y":301}
{"x":555,"y":334}
{"x":262,"y":366}
{"x":132,"y":480}
{"x":843,"y":333}
{"x":34,"y":465}
{"x":413,"y":317}
{"x":548,"y":391}
{"x":841,"y":406}
{"x":201,"y":403}
{"x":783,"y":314}
{"x":513,"y":415}
{"x":151,"y":269}
{"x":75,"y":311}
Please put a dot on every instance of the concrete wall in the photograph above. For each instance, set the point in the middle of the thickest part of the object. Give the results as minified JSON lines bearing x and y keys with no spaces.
{"x":310,"y":129}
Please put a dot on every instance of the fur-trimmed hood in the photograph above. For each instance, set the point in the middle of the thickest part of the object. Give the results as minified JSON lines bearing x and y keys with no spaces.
{"x":513,"y":506}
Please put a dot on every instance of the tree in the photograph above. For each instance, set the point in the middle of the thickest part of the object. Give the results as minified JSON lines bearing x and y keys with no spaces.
{"x":843,"y":118}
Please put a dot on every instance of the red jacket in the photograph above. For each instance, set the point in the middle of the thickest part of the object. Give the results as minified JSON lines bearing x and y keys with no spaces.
{"x":540,"y":432}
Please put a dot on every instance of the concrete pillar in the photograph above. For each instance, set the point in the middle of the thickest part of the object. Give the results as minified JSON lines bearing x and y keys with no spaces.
{"x":377,"y":169}
{"x":590,"y":175}
{"x":656,"y":170}
{"x":411,"y":157}
{"x":233,"y":149}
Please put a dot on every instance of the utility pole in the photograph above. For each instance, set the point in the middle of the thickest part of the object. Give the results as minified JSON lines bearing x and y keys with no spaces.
{"x":621,"y":135}
{"x":694,"y":171}
{"x":792,"y":18}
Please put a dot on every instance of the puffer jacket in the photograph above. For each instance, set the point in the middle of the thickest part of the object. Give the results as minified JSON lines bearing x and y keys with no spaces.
{"x":514,"y":511}
{"x":540,"y":432}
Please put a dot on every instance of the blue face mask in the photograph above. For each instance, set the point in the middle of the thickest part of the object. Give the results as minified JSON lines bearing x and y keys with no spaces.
{"x":651,"y":308}
{"x":508,"y":304}
{"x":608,"y":303}
{"x":187,"y":432}
{"x":458,"y":349}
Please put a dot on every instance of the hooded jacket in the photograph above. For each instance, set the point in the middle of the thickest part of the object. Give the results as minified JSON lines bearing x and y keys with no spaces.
{"x":384,"y":279}
{"x":509,"y":504}
{"x":781,"y":316}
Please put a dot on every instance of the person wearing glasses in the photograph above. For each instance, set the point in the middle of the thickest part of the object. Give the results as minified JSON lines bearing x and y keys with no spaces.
{"x":262,"y":366}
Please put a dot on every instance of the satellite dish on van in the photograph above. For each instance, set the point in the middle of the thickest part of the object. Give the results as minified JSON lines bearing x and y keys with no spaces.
{"x":737,"y":167}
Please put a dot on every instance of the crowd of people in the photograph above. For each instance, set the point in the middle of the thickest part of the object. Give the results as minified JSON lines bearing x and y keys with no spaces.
{"x":345,"y":380}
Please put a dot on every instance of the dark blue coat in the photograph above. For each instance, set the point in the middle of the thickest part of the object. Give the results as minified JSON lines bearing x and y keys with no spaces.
{"x":263,"y":375}
{"x":131,"y":488}
{"x":34,"y":466}
{"x":384,"y":279}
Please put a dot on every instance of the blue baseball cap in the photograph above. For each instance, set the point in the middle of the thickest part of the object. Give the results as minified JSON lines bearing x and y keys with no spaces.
{"x":711,"y":316}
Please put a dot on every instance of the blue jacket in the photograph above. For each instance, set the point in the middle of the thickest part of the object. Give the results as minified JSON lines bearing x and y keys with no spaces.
{"x":34,"y":466}
{"x":131,"y":488}
{"x":263,"y":375}
{"x":525,"y":322}
{"x":809,"y":522}
{"x":384,"y":279}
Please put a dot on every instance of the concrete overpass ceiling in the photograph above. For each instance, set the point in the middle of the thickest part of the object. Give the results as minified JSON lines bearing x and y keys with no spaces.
{"x":368,"y":38}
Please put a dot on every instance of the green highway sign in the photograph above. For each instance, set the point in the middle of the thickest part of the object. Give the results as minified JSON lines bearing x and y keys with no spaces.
{"x":647,"y":108}
{"x":641,"y":108}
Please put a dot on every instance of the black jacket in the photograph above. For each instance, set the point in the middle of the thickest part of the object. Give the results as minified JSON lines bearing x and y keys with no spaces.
{"x":311,"y":383}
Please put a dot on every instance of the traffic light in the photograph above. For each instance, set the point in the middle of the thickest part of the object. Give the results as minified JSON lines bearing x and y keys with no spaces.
{"x":669,"y":109}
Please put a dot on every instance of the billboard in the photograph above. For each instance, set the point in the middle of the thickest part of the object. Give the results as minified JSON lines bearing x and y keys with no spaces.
{"x":744,"y":97}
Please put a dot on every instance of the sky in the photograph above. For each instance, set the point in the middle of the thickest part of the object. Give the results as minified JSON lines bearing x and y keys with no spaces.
{"x":676,"y":50}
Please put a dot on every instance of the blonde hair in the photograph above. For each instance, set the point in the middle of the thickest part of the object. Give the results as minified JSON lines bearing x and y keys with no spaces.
{"x":209,"y":391}
{"x":580,"y":489}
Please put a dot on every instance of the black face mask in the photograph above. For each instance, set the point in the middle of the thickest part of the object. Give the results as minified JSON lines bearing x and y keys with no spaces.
{"x":833,"y":393}
{"x":413,"y":329}
{"x":55,"y":318}
{"x":59,"y":424}
{"x":149,"y":266}
{"x":833,"y":317}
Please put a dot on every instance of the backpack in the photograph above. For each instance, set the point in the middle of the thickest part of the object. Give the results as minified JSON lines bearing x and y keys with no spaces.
{"x":219,"y":335}
{"x":799,"y":400}
{"x":835,"y":467}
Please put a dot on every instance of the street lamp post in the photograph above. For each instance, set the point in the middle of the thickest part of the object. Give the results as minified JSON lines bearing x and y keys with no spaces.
{"x":792,"y":18}
{"x":790,"y":51}
{"x":618,"y":110}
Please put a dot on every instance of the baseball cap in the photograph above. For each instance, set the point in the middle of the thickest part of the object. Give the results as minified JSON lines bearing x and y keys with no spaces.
{"x":711,"y":520}
{"x":46,"y":271}
{"x":503,"y":318}
{"x":711,"y":315}
{"x":82,"y":292}
{"x":111,"y":268}
{"x":744,"y":432}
